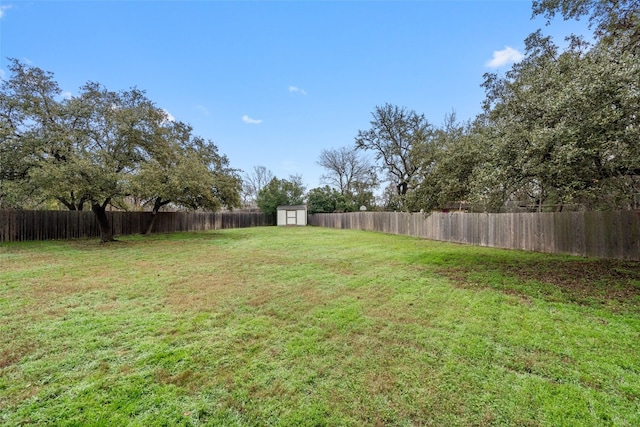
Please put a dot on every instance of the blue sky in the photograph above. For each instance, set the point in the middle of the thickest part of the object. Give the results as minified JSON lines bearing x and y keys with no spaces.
{"x":275,"y":83}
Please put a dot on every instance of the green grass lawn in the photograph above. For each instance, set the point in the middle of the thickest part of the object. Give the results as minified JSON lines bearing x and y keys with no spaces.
{"x":313,"y":326}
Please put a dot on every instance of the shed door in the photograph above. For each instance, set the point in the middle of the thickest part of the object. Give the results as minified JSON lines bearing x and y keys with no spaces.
{"x":292,"y":218}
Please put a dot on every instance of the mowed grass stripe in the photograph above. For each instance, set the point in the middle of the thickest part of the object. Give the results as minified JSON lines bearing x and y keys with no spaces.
{"x":313,"y":326}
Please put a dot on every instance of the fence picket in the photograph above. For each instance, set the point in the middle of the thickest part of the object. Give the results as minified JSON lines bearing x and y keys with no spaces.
{"x":18,"y":225}
{"x":593,"y":234}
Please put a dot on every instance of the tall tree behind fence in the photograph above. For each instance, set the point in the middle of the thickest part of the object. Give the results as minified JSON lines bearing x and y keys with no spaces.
{"x":591,"y":234}
{"x":59,"y":225}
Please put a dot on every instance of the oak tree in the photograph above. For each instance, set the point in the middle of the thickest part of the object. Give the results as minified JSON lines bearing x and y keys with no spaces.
{"x":326,"y":200}
{"x":98,"y":148}
{"x":281,"y":192}
{"x":400,"y":140}
{"x":565,"y":126}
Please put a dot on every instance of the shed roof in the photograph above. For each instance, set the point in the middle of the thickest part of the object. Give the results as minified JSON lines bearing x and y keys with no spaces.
{"x":292,"y":207}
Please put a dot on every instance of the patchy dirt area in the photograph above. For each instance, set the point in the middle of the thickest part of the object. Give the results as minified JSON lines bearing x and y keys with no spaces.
{"x":614,"y":283}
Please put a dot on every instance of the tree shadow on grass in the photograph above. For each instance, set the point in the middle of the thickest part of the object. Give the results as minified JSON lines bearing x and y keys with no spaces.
{"x":128,"y":241}
{"x":590,"y":282}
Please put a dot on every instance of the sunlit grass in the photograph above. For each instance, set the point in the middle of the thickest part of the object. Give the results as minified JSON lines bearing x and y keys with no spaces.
{"x":312,"y":326}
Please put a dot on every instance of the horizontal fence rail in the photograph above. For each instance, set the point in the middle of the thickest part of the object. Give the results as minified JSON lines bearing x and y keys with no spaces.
{"x":589,"y":234}
{"x":16,"y":225}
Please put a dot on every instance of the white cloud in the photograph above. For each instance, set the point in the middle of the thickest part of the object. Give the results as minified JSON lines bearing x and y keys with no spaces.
{"x":2,"y":9}
{"x":66,"y":95}
{"x":250,"y":121}
{"x":168,"y":116}
{"x":508,"y":55}
{"x":2,"y":74}
{"x":294,"y":89}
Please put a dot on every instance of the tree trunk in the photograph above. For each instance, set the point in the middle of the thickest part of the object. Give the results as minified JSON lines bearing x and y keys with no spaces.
{"x":106,"y":232}
{"x":156,"y":207}
{"x":149,"y":226}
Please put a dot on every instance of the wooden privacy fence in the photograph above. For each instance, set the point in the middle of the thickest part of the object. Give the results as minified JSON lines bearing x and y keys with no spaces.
{"x":591,"y":234}
{"x":18,"y":225}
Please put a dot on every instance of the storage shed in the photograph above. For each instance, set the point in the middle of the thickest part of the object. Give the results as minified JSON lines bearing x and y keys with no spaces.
{"x":292,"y":215}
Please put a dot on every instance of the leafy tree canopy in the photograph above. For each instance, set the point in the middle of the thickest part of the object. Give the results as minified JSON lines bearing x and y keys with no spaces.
{"x":559,"y":130}
{"x":99,"y":148}
{"x":327,"y":200}
{"x":565,"y":126}
{"x":612,"y":21}
{"x":281,"y":192}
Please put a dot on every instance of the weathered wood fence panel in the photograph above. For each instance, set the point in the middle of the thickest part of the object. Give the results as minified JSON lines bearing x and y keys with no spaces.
{"x":18,"y":225}
{"x":591,"y":234}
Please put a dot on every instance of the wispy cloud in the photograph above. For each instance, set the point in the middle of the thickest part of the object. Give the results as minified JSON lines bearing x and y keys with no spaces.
{"x":251,"y":121}
{"x":66,"y":95}
{"x":295,"y":89}
{"x":3,"y":75}
{"x":2,"y":10}
{"x":202,"y":109}
{"x":506,"y":56}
